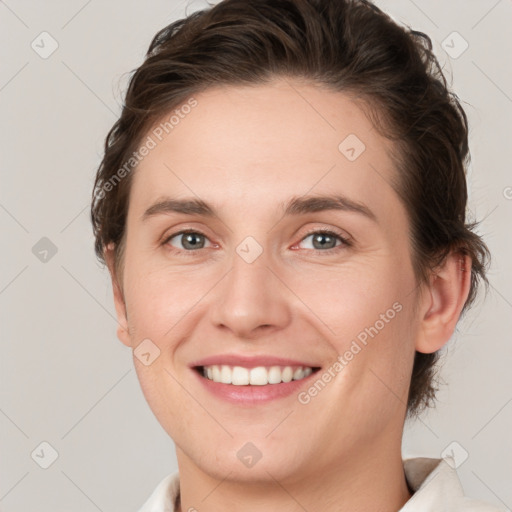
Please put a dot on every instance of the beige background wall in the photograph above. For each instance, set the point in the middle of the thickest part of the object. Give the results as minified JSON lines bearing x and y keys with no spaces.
{"x":67,"y":381}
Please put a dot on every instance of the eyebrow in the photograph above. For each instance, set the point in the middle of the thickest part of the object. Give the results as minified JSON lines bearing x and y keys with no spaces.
{"x":295,"y":206}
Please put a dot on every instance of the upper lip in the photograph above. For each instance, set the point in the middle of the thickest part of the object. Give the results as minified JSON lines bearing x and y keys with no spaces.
{"x":250,"y":361}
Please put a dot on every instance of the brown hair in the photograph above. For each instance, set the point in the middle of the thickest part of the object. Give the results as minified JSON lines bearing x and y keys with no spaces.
{"x":344,"y":45}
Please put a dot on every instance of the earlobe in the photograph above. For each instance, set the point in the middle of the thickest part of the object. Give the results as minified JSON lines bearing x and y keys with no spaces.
{"x":119,"y":302}
{"x":443,"y":302}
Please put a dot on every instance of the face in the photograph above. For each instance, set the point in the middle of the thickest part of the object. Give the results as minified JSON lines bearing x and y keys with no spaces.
{"x":267,"y":271}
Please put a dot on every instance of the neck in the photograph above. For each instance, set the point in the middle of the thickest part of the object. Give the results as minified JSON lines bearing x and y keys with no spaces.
{"x":368,"y":483}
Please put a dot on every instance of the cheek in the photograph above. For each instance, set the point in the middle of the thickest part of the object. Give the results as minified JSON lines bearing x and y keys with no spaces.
{"x":354,"y":297}
{"x":167,"y":398}
{"x":158,"y":299}
{"x":365,"y":312}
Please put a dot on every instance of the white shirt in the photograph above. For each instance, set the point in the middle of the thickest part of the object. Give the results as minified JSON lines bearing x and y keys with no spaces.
{"x":435,"y":483}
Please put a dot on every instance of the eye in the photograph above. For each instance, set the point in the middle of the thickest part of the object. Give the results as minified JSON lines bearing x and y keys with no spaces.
{"x":325,"y":240}
{"x":189,"y":240}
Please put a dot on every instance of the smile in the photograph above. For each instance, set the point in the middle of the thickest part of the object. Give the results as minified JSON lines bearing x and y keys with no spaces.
{"x":257,"y":376}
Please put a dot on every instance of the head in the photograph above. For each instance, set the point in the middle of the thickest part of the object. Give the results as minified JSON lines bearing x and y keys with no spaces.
{"x":247,"y":109}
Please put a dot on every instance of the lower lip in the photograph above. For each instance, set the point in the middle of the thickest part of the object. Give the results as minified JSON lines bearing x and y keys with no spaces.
{"x":253,"y":395}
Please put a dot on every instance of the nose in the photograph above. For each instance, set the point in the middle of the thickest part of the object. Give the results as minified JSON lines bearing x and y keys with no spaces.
{"x":251,"y":300}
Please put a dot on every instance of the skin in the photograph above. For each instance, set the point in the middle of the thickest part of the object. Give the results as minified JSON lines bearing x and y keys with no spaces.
{"x":245,"y":151}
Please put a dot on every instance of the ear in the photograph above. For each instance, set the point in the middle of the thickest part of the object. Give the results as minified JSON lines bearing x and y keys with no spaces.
{"x":443,"y":301}
{"x":122,"y":319}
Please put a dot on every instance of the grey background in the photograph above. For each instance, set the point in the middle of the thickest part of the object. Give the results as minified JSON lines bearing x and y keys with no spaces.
{"x":68,"y":381}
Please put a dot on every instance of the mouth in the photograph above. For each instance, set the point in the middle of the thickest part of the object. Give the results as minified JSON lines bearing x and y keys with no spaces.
{"x":254,"y":376}
{"x":251,"y":380}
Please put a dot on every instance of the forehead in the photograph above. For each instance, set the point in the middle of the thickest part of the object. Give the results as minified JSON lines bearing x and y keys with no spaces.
{"x":261,"y":144}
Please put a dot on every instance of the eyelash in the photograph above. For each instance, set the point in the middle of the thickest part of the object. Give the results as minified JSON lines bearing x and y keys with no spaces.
{"x":344,"y":241}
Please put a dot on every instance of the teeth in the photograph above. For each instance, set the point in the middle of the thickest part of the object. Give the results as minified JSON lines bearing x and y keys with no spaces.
{"x":259,"y":376}
{"x":240,"y":376}
{"x":298,"y":374}
{"x":225,"y":374}
{"x":287,"y":374}
{"x":274,"y":375}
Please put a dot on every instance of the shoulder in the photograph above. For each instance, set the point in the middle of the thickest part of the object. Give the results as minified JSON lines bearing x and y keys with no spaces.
{"x":436,"y":486}
{"x":164,"y":496}
{"x":477,"y":506}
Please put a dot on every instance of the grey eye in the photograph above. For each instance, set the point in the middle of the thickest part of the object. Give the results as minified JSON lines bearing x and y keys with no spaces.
{"x":189,"y":240}
{"x":322,"y":240}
